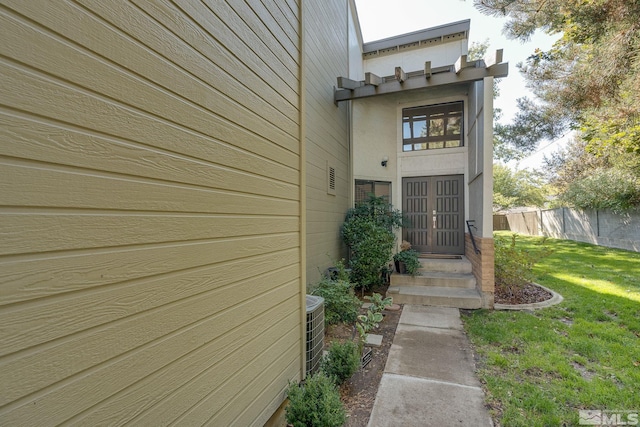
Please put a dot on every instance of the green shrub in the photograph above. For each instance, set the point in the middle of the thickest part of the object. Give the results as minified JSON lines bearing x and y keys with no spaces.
{"x":341,"y":362}
{"x":340,"y":302}
{"x":514,"y":265}
{"x":368,"y":231}
{"x":315,"y":403}
{"x":341,"y":271}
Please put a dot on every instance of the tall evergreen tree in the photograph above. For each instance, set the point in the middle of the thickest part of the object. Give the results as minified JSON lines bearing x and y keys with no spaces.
{"x":588,"y":81}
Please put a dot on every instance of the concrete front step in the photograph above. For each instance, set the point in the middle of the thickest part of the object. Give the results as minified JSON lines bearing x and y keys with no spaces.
{"x":436,"y":296}
{"x":462,"y":265}
{"x":445,"y":280}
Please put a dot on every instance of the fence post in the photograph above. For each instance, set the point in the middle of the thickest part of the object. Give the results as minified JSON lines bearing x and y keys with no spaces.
{"x":540,"y":227}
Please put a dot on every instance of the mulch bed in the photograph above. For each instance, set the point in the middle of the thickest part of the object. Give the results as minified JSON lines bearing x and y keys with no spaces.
{"x":359,"y":392}
{"x":526,"y":294}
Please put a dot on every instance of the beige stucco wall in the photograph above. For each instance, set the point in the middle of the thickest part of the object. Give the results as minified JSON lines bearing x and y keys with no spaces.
{"x":413,"y":59}
{"x":374,"y":137}
{"x":377,"y":121}
{"x":150,"y":259}
{"x":378,"y":134}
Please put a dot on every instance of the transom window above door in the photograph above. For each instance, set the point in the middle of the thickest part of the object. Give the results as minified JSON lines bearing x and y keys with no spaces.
{"x":431,"y":127}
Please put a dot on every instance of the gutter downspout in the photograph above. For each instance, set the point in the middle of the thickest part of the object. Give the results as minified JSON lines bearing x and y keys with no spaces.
{"x":303,"y":196}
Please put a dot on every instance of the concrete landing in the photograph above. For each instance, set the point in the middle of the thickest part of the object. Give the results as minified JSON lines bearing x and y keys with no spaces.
{"x":429,"y":377}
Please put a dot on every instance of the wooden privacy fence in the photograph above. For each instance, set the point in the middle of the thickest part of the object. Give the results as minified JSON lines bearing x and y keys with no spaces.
{"x":521,"y":222}
{"x":600,"y":227}
{"x":500,"y":222}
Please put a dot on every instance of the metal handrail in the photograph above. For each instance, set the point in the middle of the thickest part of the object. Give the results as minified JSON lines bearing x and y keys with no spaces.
{"x":473,"y":241}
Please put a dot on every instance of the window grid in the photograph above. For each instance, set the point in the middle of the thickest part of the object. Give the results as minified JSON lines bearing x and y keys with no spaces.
{"x":432,"y":127}
{"x":365,"y":188}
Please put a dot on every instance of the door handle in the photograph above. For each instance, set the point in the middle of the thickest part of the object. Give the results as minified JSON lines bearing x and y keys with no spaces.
{"x":435,"y":222}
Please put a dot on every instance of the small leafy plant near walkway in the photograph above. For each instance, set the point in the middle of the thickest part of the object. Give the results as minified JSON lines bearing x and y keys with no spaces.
{"x":540,"y":368}
{"x":315,"y":403}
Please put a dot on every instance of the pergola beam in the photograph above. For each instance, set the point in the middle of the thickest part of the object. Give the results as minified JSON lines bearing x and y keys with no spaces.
{"x":465,"y":75}
{"x":462,"y":63}
{"x":494,"y":58}
{"x":345,"y":83}
{"x":372,"y":79}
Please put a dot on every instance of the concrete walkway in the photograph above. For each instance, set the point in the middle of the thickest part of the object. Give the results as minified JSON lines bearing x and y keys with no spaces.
{"x":429,"y":378}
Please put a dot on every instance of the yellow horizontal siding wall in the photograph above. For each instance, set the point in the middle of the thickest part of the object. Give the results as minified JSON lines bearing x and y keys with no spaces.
{"x":150,"y":259}
{"x":327,"y":131}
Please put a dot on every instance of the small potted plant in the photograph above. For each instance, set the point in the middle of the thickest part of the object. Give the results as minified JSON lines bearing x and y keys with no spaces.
{"x":407,"y":259}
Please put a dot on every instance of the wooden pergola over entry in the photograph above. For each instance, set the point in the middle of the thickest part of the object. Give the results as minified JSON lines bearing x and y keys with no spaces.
{"x":462,"y":71}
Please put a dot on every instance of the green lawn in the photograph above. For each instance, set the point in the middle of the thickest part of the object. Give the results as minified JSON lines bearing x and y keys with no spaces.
{"x":539,"y":368}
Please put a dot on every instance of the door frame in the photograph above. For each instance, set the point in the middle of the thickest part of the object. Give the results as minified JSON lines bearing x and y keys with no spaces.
{"x":441,"y":214}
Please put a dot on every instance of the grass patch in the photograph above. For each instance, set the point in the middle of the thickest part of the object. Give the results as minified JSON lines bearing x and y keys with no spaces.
{"x":539,"y":368}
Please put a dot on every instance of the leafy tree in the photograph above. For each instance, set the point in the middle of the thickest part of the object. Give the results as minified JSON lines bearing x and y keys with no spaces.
{"x":519,"y":188}
{"x":478,"y":50}
{"x":588,"y":81}
{"x":571,"y":163}
{"x":612,"y":188}
{"x":531,"y":124}
{"x":588,"y":181}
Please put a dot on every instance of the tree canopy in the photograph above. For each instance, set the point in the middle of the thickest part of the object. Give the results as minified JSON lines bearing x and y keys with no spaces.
{"x":586,"y":181}
{"x":516,"y":188}
{"x":589,"y":80}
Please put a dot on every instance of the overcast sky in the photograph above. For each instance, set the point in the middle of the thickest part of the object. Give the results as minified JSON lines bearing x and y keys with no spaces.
{"x":381,"y":19}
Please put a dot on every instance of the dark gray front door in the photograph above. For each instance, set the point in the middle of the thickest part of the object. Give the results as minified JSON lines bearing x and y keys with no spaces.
{"x":435,"y":208}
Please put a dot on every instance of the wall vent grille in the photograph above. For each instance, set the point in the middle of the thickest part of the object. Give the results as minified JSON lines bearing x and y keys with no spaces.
{"x":315,"y":332}
{"x":331,"y":179}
